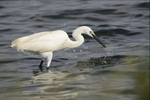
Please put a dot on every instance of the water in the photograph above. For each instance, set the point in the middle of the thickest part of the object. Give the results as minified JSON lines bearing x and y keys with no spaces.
{"x":84,"y":73}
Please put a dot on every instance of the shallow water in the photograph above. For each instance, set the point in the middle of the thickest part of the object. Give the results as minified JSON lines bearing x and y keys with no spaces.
{"x":84,"y":73}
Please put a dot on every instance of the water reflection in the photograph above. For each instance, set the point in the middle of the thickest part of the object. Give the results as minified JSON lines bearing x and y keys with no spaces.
{"x":121,"y":78}
{"x":120,"y":81}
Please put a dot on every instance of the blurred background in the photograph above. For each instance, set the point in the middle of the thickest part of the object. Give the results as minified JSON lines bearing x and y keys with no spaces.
{"x":84,"y":73}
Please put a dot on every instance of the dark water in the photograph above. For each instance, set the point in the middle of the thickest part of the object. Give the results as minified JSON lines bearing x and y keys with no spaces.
{"x":82,"y":73}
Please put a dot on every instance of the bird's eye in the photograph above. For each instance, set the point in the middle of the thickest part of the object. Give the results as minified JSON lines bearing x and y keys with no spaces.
{"x":91,"y":32}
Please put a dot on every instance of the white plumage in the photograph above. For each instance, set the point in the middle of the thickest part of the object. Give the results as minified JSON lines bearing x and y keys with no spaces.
{"x":45,"y":43}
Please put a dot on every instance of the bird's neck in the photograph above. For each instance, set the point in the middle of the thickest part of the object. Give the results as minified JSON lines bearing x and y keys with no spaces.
{"x":78,"y":39}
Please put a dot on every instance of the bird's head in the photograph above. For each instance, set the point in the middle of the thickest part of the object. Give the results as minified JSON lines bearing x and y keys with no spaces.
{"x":88,"y":31}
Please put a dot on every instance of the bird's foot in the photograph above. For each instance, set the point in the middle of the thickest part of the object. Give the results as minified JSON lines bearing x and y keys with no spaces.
{"x":41,"y":68}
{"x":47,"y":69}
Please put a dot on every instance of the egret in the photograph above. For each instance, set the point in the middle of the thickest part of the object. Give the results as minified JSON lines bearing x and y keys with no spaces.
{"x":45,"y":43}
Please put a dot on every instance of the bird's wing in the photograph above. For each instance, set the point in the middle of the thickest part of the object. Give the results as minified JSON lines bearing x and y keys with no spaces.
{"x":45,"y":41}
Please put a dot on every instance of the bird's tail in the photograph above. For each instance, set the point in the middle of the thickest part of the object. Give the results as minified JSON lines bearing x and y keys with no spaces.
{"x":18,"y":44}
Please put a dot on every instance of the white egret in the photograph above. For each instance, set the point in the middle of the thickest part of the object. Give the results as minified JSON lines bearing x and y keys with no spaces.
{"x":45,"y":43}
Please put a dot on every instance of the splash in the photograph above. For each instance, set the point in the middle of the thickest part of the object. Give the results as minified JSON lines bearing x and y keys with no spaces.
{"x":105,"y":56}
{"x":104,"y":60}
{"x":107,"y":51}
{"x":74,"y":50}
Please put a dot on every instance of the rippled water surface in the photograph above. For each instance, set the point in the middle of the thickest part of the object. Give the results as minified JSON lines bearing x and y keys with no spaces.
{"x":84,"y":73}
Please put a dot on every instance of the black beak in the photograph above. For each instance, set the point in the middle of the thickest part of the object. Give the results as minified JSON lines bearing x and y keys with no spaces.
{"x":96,"y":38}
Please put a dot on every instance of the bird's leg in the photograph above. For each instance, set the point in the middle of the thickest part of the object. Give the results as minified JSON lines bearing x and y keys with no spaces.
{"x":41,"y":63}
{"x":40,"y":66}
{"x":49,"y":59}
